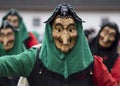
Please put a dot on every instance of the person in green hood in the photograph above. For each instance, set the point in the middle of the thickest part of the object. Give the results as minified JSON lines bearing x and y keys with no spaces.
{"x":64,"y":59}
{"x":16,"y":20}
{"x":9,"y":45}
{"x":28,"y":38}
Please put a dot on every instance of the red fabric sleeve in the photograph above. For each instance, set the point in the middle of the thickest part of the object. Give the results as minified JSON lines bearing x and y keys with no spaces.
{"x":101,"y":75}
{"x":115,"y":72}
{"x":31,"y":41}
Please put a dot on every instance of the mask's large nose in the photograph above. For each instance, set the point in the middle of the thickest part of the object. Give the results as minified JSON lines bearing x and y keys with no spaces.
{"x":5,"y":41}
{"x":106,"y":38}
{"x":65,"y":38}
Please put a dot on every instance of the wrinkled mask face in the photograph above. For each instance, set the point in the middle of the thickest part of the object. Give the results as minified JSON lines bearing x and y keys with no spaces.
{"x":64,"y":33}
{"x":107,"y":37}
{"x":7,"y":38}
{"x":14,"y":20}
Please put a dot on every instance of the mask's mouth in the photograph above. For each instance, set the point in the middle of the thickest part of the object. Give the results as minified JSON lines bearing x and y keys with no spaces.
{"x":65,"y":45}
{"x":9,"y":45}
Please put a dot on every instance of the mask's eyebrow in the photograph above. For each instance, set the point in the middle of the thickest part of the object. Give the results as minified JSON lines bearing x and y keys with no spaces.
{"x":71,"y":24}
{"x":9,"y":33}
{"x":58,"y":24}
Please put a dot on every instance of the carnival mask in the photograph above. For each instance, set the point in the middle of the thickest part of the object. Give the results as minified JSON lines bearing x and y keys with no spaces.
{"x":64,"y":33}
{"x":14,"y":20}
{"x":7,"y":38}
{"x":107,"y":37}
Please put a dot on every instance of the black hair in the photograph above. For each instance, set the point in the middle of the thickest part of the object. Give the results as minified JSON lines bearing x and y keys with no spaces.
{"x":12,"y":12}
{"x":64,"y":10}
{"x":111,"y":25}
{"x":5,"y":25}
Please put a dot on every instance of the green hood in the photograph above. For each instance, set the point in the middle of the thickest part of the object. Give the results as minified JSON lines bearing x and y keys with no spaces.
{"x":22,"y":28}
{"x":20,"y":36}
{"x":78,"y":59}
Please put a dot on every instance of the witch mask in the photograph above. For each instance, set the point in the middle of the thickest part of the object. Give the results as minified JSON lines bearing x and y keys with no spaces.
{"x":64,"y":33}
{"x":7,"y":36}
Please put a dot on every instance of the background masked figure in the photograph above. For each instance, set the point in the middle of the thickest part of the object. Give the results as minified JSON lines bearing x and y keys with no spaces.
{"x":16,"y":20}
{"x":64,"y":58}
{"x":9,"y":45}
{"x":105,"y":45}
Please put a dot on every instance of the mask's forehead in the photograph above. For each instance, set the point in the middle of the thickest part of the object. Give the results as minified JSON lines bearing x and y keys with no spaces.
{"x":6,"y":30}
{"x":109,"y":30}
{"x":12,"y":17}
{"x":64,"y":21}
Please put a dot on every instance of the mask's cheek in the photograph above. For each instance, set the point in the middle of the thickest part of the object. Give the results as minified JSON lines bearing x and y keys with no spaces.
{"x":59,"y":42}
{"x":55,"y":35}
{"x":1,"y":39}
{"x":12,"y":38}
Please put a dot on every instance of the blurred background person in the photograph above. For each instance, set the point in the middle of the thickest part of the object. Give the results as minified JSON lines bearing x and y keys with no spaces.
{"x":105,"y":45}
{"x":24,"y":38}
{"x":10,"y":44}
{"x":118,"y":49}
{"x":16,"y":20}
{"x":89,"y":33}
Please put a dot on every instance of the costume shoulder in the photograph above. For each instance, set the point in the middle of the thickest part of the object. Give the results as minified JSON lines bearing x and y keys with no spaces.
{"x":101,"y":75}
{"x":115,"y":72}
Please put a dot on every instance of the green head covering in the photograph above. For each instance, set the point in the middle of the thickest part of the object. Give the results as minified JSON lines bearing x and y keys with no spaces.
{"x":21,"y":28}
{"x":18,"y":44}
{"x":78,"y":59}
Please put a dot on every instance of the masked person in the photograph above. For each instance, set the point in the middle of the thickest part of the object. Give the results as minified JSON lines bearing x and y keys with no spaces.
{"x":10,"y":42}
{"x":16,"y":20}
{"x":105,"y":45}
{"x":64,"y":59}
{"x":9,"y":45}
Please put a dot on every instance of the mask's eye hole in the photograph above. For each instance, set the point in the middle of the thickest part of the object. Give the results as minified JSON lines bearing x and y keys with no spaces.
{"x":70,"y":30}
{"x":71,"y":27}
{"x":59,"y":30}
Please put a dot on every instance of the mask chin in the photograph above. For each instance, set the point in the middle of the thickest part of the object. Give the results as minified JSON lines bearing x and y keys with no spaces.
{"x":9,"y":46}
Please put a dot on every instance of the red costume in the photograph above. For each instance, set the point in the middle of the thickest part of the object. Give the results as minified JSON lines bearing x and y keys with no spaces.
{"x":31,"y":40}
